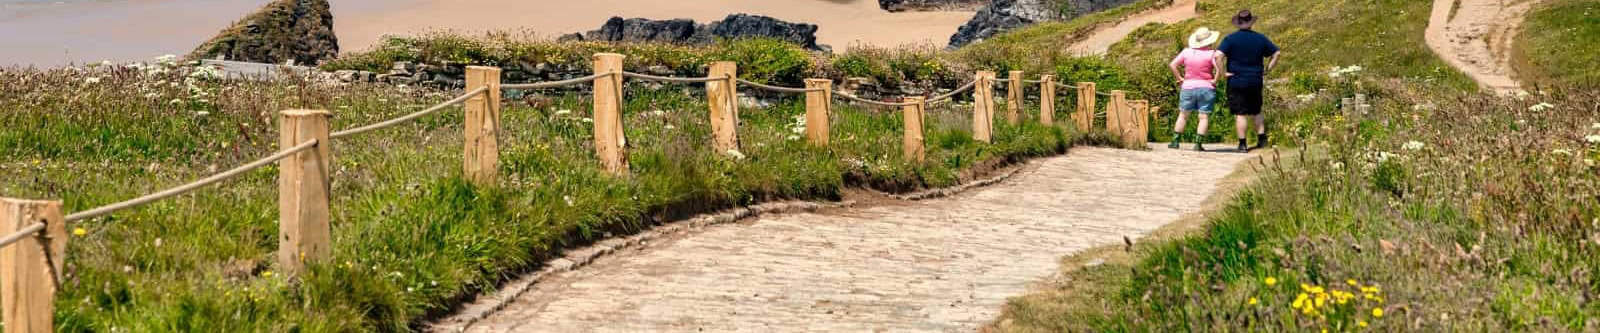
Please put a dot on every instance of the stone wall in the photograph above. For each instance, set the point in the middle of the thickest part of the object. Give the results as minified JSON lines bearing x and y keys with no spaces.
{"x":685,"y":31}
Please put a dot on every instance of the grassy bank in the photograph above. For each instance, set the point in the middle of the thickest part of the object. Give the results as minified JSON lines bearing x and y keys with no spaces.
{"x":1545,"y":53}
{"x":1443,"y":211}
{"x":410,"y":237}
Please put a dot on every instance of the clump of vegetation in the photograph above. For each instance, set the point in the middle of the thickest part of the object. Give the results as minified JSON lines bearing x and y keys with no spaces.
{"x":1443,"y":210}
{"x":1545,"y":48}
{"x":410,"y":237}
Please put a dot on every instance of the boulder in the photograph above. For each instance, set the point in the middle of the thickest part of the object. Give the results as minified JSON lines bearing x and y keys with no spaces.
{"x":300,"y":31}
{"x":685,"y":31}
{"x":1003,"y":15}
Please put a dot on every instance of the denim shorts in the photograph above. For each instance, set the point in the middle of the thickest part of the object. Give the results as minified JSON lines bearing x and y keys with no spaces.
{"x":1198,"y":99}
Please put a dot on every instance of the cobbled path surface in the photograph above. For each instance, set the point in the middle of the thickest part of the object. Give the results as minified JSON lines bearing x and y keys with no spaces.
{"x":940,"y":265}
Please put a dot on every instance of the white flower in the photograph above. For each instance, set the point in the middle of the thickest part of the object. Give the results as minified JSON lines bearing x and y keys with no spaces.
{"x":658,"y":113}
{"x":1592,"y":138}
{"x":1423,"y":107}
{"x":568,"y":199}
{"x":1383,"y":156}
{"x":669,"y":127}
{"x":1561,"y":151}
{"x":1307,"y":97}
{"x":167,"y":59}
{"x":91,"y":80}
{"x":1339,"y":72}
{"x":1414,"y":145}
{"x":1540,"y":107}
{"x":206,"y":72}
{"x":563,"y":112}
{"x":106,"y":63}
{"x":735,"y":154}
{"x":588,"y":120}
{"x":202,"y":113}
{"x":1337,"y":165}
{"x":175,"y":101}
{"x":1594,"y":126}
{"x":793,"y":137}
{"x":152,"y":95}
{"x":798,"y":130}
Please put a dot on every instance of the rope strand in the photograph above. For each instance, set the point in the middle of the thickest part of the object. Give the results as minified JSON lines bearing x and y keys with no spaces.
{"x":413,"y":115}
{"x":20,"y":234}
{"x":185,"y":188}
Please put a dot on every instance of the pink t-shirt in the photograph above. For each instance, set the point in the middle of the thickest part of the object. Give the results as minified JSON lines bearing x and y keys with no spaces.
{"x":1198,"y":68}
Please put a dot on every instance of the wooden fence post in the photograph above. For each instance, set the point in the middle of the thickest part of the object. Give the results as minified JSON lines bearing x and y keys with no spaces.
{"x":1086,"y":106}
{"x":303,"y":190}
{"x":1047,"y":99}
{"x":1014,"y":99}
{"x":983,"y":107}
{"x":609,"y":141}
{"x":818,"y":106}
{"x":31,"y":267}
{"x":722,"y":96}
{"x":1133,"y":133}
{"x":913,"y":115}
{"x":481,"y":159}
{"x":1114,"y":112}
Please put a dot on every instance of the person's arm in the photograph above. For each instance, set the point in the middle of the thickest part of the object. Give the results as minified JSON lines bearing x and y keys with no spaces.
{"x":1217,"y":62}
{"x":1174,"y":66}
{"x":1274,"y":62}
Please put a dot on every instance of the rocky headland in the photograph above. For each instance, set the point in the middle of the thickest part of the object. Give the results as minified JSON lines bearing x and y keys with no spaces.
{"x":284,"y":30}
{"x":1003,"y":15}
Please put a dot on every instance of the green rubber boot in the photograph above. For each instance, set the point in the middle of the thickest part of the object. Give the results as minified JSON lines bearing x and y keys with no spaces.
{"x":1176,"y":139}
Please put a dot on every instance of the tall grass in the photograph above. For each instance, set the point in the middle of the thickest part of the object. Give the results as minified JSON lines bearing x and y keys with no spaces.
{"x":410,"y":237}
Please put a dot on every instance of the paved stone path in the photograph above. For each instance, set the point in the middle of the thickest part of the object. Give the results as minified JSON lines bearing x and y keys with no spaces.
{"x":937,"y":265}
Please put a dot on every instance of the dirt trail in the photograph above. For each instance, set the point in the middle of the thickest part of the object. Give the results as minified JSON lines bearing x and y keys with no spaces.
{"x":1100,"y":40}
{"x":1476,"y":36}
{"x":935,"y":265}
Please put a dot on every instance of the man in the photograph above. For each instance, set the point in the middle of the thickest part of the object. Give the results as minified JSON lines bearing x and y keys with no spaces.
{"x":1250,"y":57}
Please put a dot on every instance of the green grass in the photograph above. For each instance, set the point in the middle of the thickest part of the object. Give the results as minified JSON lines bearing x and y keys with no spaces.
{"x":1546,"y":52}
{"x":410,"y":237}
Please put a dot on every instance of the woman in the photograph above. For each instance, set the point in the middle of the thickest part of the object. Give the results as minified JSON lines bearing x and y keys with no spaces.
{"x":1198,"y":75}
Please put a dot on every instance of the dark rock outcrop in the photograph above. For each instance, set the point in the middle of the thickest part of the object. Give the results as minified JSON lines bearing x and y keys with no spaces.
{"x":905,"y":5}
{"x":685,"y":31}
{"x":1003,"y":15}
{"x":283,"y":30}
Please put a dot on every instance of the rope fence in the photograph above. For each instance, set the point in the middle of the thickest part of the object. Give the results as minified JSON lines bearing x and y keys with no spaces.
{"x":303,"y":176}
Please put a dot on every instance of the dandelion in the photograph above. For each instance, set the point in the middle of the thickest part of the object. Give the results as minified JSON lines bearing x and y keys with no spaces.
{"x":1270,"y":281}
{"x":266,"y":274}
{"x":1377,"y":312}
{"x":1413,"y":145}
{"x":1361,"y":323}
{"x":1253,"y":301}
{"x":1540,"y":107}
{"x":1593,"y":138}
{"x":79,"y":232}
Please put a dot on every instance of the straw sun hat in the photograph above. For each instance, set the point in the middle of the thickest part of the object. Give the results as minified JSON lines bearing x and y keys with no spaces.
{"x":1202,"y":37}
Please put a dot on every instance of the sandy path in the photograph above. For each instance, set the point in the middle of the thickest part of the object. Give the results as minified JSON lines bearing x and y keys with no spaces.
{"x":1100,"y":40}
{"x":935,"y":265}
{"x":1478,"y":38}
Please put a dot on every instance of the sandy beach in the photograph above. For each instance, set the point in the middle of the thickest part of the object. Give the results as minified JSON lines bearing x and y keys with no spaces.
{"x":52,"y":33}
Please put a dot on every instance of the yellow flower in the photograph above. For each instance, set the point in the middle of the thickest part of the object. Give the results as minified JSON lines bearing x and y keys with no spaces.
{"x":266,"y":274}
{"x":1361,"y":323}
{"x":1253,"y":301}
{"x":1377,"y":312}
{"x":1270,"y":281}
{"x":1352,"y":282}
{"x":79,"y":232}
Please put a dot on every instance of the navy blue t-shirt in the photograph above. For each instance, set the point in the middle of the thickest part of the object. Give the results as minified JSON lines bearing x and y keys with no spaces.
{"x":1247,"y":53}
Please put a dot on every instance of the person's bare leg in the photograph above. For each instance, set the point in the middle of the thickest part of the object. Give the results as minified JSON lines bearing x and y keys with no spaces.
{"x":1261,"y":130}
{"x":1183,"y":117}
{"x":1177,"y":129}
{"x":1240,"y":125}
{"x":1200,"y":131}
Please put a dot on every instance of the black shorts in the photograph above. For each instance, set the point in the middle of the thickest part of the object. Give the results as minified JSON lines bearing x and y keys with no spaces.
{"x":1244,"y":101}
